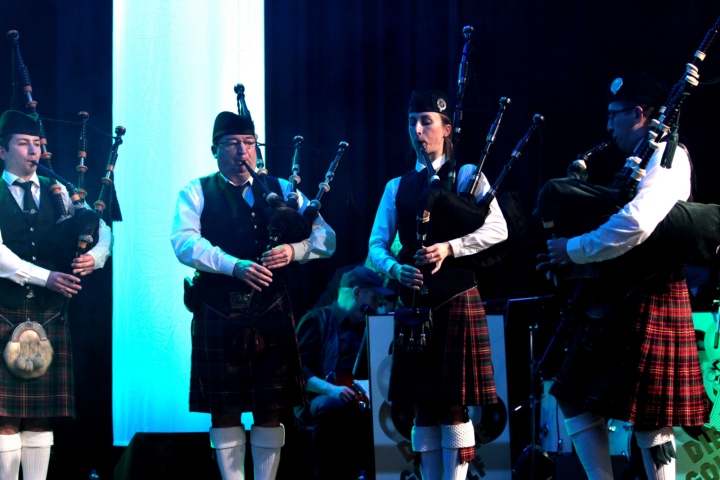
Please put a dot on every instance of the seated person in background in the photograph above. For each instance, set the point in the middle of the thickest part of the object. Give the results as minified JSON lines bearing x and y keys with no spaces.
{"x":329,"y":340}
{"x":331,"y":291}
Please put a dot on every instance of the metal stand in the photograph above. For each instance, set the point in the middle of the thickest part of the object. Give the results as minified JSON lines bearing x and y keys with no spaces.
{"x":540,"y":465}
{"x":533,"y":448}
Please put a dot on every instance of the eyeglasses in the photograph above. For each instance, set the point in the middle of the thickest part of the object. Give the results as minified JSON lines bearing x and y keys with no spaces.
{"x":611,"y":113}
{"x":234,"y":144}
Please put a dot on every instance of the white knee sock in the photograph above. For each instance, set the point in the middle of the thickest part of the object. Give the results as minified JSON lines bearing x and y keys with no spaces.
{"x":455,"y":437}
{"x":589,"y":434}
{"x":427,"y":441}
{"x":10,"y":454}
{"x":654,"y":438}
{"x":266,"y":444}
{"x":229,"y":445}
{"x":35,"y":454}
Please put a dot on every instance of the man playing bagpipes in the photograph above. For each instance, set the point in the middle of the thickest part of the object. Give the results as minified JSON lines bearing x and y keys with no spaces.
{"x":638,"y":360}
{"x":244,"y":349}
{"x":41,"y":267}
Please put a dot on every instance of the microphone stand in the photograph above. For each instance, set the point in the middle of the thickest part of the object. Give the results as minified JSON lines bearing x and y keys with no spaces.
{"x":531,"y":402}
{"x":534,"y":448}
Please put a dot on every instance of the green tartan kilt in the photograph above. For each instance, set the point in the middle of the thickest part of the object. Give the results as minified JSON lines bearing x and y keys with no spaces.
{"x":226,"y":378}
{"x":52,"y":394}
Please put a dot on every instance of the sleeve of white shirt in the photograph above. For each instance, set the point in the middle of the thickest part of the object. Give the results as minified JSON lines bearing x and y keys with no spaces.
{"x":18,"y":270}
{"x":384,"y":230}
{"x":102,"y":250}
{"x":191,"y":248}
{"x":493,"y":231}
{"x":195,"y":251}
{"x":657,"y":192}
{"x":13,"y":268}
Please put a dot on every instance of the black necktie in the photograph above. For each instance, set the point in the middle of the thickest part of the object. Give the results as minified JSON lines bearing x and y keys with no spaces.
{"x":29,"y":205}
{"x":240,"y":191}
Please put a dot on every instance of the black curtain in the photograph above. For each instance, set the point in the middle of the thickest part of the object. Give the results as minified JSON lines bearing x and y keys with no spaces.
{"x":67,"y":48}
{"x":343,"y":71}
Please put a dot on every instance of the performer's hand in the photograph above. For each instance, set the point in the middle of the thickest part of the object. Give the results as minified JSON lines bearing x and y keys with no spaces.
{"x":64,"y":284}
{"x":408,"y":276}
{"x":433,"y":254}
{"x":545,"y":262}
{"x":83,"y":265}
{"x":278,"y":256}
{"x":558,"y":251}
{"x":344,"y":394}
{"x":255,"y":275}
{"x":554,"y":260}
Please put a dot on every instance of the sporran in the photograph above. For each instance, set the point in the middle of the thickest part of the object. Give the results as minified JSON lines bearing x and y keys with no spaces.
{"x":28,"y":354}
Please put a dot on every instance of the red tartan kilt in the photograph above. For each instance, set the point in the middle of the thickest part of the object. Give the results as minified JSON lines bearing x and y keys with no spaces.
{"x":51,"y":395}
{"x":647,"y":372}
{"x":668,"y":390}
{"x":458,"y":369}
{"x":223,"y":383}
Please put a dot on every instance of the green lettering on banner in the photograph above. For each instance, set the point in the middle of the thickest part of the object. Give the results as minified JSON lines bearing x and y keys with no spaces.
{"x":705,"y":439}
{"x":709,"y":472}
{"x":692,"y":448}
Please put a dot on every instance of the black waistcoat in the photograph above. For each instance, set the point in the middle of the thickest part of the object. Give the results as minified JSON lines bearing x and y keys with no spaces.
{"x":25,"y":239}
{"x":228,"y":222}
{"x":455,"y":276}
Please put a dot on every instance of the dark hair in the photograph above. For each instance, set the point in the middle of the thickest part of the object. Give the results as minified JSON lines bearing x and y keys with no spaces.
{"x":447,"y":141}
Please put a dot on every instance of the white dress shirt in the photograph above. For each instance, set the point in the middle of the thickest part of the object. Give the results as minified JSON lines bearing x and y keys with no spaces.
{"x":193,"y":250}
{"x":657,"y":192}
{"x":20,"y":271}
{"x":493,"y":231}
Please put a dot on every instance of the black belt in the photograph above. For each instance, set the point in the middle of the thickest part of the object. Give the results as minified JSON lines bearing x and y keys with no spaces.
{"x":237,"y":302}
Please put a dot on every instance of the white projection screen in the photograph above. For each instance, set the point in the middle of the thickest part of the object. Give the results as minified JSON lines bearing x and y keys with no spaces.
{"x":174,"y":68}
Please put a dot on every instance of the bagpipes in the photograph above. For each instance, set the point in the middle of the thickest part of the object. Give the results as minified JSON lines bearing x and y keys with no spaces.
{"x":689,"y":234}
{"x":285,"y":223}
{"x":73,"y":234}
{"x":457,"y":214}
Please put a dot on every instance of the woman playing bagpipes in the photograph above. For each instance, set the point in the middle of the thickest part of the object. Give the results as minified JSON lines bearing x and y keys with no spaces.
{"x":444,"y":364}
{"x":634,"y":359}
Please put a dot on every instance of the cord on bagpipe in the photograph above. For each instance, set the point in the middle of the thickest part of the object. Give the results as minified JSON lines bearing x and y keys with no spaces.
{"x":21,"y":82}
{"x":75,"y":234}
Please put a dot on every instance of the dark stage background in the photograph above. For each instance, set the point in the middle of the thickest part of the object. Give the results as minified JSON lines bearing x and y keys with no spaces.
{"x":344,"y":71}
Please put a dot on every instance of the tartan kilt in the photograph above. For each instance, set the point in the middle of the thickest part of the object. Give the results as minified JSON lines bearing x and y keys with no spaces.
{"x":647,"y":373}
{"x":223,"y":382}
{"x":457,"y":368}
{"x":52,"y":394}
